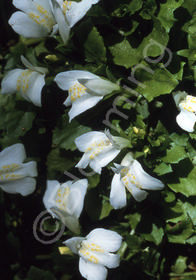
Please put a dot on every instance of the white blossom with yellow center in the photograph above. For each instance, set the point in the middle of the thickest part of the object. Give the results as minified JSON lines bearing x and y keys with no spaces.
{"x":85,"y":90}
{"x":131,"y":176}
{"x":43,"y":18}
{"x":16,"y":176}
{"x":96,"y":252}
{"x":28,"y":83}
{"x":65,"y":201}
{"x":187,"y":105}
{"x":99,"y":149}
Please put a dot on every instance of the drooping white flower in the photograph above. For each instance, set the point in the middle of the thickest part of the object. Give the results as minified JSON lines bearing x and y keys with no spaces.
{"x":43,"y":18}
{"x":187,"y":105}
{"x":65,"y":201}
{"x":16,"y":176}
{"x":96,"y":252}
{"x":85,"y":90}
{"x":131,"y":176}
{"x":28,"y":82}
{"x":99,"y":149}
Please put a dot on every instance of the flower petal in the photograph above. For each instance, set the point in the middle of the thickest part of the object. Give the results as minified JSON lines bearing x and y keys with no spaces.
{"x":67,"y":79}
{"x":74,"y":243}
{"x":51,"y":189}
{"x":118,"y":193}
{"x":82,"y":104}
{"x":145,"y":180}
{"x":100,"y":86}
{"x":72,"y":224}
{"x":186,"y":120}
{"x":83,"y":162}
{"x":85,"y":140}
{"x":19,"y":20}
{"x":63,"y":27}
{"x":109,"y":240}
{"x":92,"y":271}
{"x":76,"y":197}
{"x":13,"y":154}
{"x":36,"y":84}
{"x":8,"y":85}
{"x":137,"y":193}
{"x":104,"y":157}
{"x":23,"y":186}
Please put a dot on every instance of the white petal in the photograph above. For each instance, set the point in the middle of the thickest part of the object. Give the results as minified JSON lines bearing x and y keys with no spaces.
{"x":26,"y":27}
{"x":127,"y":160}
{"x":137,"y":193}
{"x":92,"y":271}
{"x":76,"y":197}
{"x":8,"y":85}
{"x":36,"y":83}
{"x":72,"y":224}
{"x":84,"y":141}
{"x":67,"y":79}
{"x":104,"y":157}
{"x":13,"y":154}
{"x":118,"y":193}
{"x":63,"y":27}
{"x":82,"y":104}
{"x":100,"y":86}
{"x":50,"y":193}
{"x":74,"y":244}
{"x":76,"y":11}
{"x":145,"y":180}
{"x":28,"y":65}
{"x":83,"y":162}
{"x":23,"y":5}
{"x":24,"y":186}
{"x":179,"y":96}
{"x":186,"y":120}
{"x":109,"y":240}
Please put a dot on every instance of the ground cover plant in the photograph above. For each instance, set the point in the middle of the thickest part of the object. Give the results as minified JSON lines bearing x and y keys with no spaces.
{"x":98,"y":151}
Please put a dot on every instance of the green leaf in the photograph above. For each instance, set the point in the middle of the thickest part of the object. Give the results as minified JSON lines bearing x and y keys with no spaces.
{"x":175,"y":154}
{"x":163,"y":168}
{"x":124,"y":55}
{"x":153,"y":83}
{"x":155,"y":236}
{"x":180,"y":140}
{"x":179,"y":232}
{"x":180,"y":265}
{"x":65,"y":133}
{"x":186,"y":185}
{"x":166,"y":13}
{"x":94,"y":48}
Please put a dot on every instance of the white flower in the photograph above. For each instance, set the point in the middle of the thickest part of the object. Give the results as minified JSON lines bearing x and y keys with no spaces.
{"x":131,"y":176}
{"x":16,"y":176}
{"x":96,"y":252}
{"x":187,"y":106}
{"x":65,"y":201}
{"x":42,"y":18}
{"x":74,"y":11}
{"x":28,"y":82}
{"x":99,"y":149}
{"x":85,"y":90}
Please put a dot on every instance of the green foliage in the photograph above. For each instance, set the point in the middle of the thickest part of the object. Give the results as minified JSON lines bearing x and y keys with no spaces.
{"x":149,"y":49}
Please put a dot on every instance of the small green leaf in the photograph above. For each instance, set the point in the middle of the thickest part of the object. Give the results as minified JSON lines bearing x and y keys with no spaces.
{"x":175,"y":154}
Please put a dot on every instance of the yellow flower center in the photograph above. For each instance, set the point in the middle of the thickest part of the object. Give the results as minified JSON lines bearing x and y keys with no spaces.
{"x":61,"y":198}
{"x":76,"y":91}
{"x":129,"y":179}
{"x":42,"y":17}
{"x":189,"y":104}
{"x":89,"y":250}
{"x":97,"y":147}
{"x":22,"y":83}
{"x":66,"y":5}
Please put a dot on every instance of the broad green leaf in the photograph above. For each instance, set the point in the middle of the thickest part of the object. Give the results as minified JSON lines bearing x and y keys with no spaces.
{"x":94,"y":48}
{"x":155,"y":236}
{"x":153,"y":83}
{"x":186,"y":185}
{"x":163,"y":168}
{"x":180,"y":140}
{"x":180,"y":265}
{"x":124,"y":55}
{"x":175,"y":154}
{"x":166,"y":13}
{"x":179,"y":232}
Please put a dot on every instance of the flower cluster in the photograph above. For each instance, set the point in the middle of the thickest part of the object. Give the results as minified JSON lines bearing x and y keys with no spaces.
{"x":65,"y":201}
